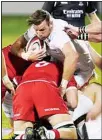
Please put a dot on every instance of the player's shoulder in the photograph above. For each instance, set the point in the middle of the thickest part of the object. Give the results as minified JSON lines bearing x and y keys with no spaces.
{"x":59,"y":23}
{"x":59,"y":26}
{"x":58,"y":36}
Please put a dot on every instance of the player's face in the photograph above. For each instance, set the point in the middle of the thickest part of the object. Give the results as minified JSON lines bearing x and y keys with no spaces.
{"x":43,"y":30}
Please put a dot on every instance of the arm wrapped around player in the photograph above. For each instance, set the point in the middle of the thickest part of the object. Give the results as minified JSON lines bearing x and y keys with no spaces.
{"x":5,"y":79}
{"x":7,"y":83}
{"x":77,"y":32}
{"x":35,"y":50}
{"x":68,"y":85}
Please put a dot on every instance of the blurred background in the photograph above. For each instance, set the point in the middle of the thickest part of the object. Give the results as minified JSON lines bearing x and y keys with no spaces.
{"x":15,"y":14}
{"x":11,"y":8}
{"x":13,"y":24}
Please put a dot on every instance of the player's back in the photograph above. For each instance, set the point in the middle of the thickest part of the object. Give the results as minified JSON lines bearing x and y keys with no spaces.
{"x":15,"y":65}
{"x":42,"y":71}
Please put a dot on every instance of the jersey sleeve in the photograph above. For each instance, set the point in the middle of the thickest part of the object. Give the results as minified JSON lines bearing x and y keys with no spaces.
{"x":60,"y":39}
{"x":29,"y":33}
{"x":48,"y":6}
{"x":90,"y":7}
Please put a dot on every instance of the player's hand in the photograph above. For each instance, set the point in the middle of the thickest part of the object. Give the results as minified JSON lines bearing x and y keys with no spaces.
{"x":9,"y":85}
{"x":37,"y":55}
{"x":62,"y":91}
{"x":72,"y":31}
{"x":63,"y":86}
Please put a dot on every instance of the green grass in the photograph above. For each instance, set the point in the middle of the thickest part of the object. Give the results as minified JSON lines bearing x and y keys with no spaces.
{"x":12,"y":28}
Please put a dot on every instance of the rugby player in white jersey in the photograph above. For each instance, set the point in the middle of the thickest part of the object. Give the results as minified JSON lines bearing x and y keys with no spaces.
{"x":40,"y":55}
{"x":52,"y":32}
{"x":60,"y":46}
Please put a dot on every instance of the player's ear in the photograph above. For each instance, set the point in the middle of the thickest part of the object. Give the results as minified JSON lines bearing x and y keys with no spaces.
{"x":50,"y":24}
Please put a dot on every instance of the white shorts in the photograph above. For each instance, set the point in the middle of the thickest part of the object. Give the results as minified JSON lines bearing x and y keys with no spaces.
{"x":7,"y":105}
{"x":94,"y":128}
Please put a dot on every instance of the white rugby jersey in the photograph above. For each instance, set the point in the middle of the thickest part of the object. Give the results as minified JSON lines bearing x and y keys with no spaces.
{"x":85,"y":65}
{"x":56,"y":41}
{"x":57,"y":38}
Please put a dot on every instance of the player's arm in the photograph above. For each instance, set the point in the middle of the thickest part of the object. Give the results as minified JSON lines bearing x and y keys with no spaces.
{"x":91,"y":12}
{"x":69,"y":67}
{"x":70,"y":61}
{"x":90,"y":32}
{"x":95,"y":37}
{"x":96,"y":57}
{"x":93,"y":18}
{"x":18,"y":46}
{"x":4,"y":71}
{"x":71,"y":56}
{"x":90,"y":28}
{"x":48,"y":6}
{"x":5,"y":79}
{"x":94,"y":28}
{"x":84,"y":33}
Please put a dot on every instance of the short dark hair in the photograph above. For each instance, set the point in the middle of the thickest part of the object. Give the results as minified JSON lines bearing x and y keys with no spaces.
{"x":38,"y":17}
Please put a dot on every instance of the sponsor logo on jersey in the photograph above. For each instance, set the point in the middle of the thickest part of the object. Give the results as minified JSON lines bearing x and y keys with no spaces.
{"x":73,"y":13}
{"x":51,"y":109}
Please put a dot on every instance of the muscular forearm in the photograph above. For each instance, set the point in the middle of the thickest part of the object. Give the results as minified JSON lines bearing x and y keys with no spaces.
{"x":97,"y":58}
{"x":92,"y":28}
{"x":69,"y":67}
{"x":5,"y":78}
{"x":70,"y":63}
{"x":4,"y":71}
{"x":91,"y":32}
{"x":95,"y":37}
{"x":68,"y":71}
{"x":18,"y":46}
